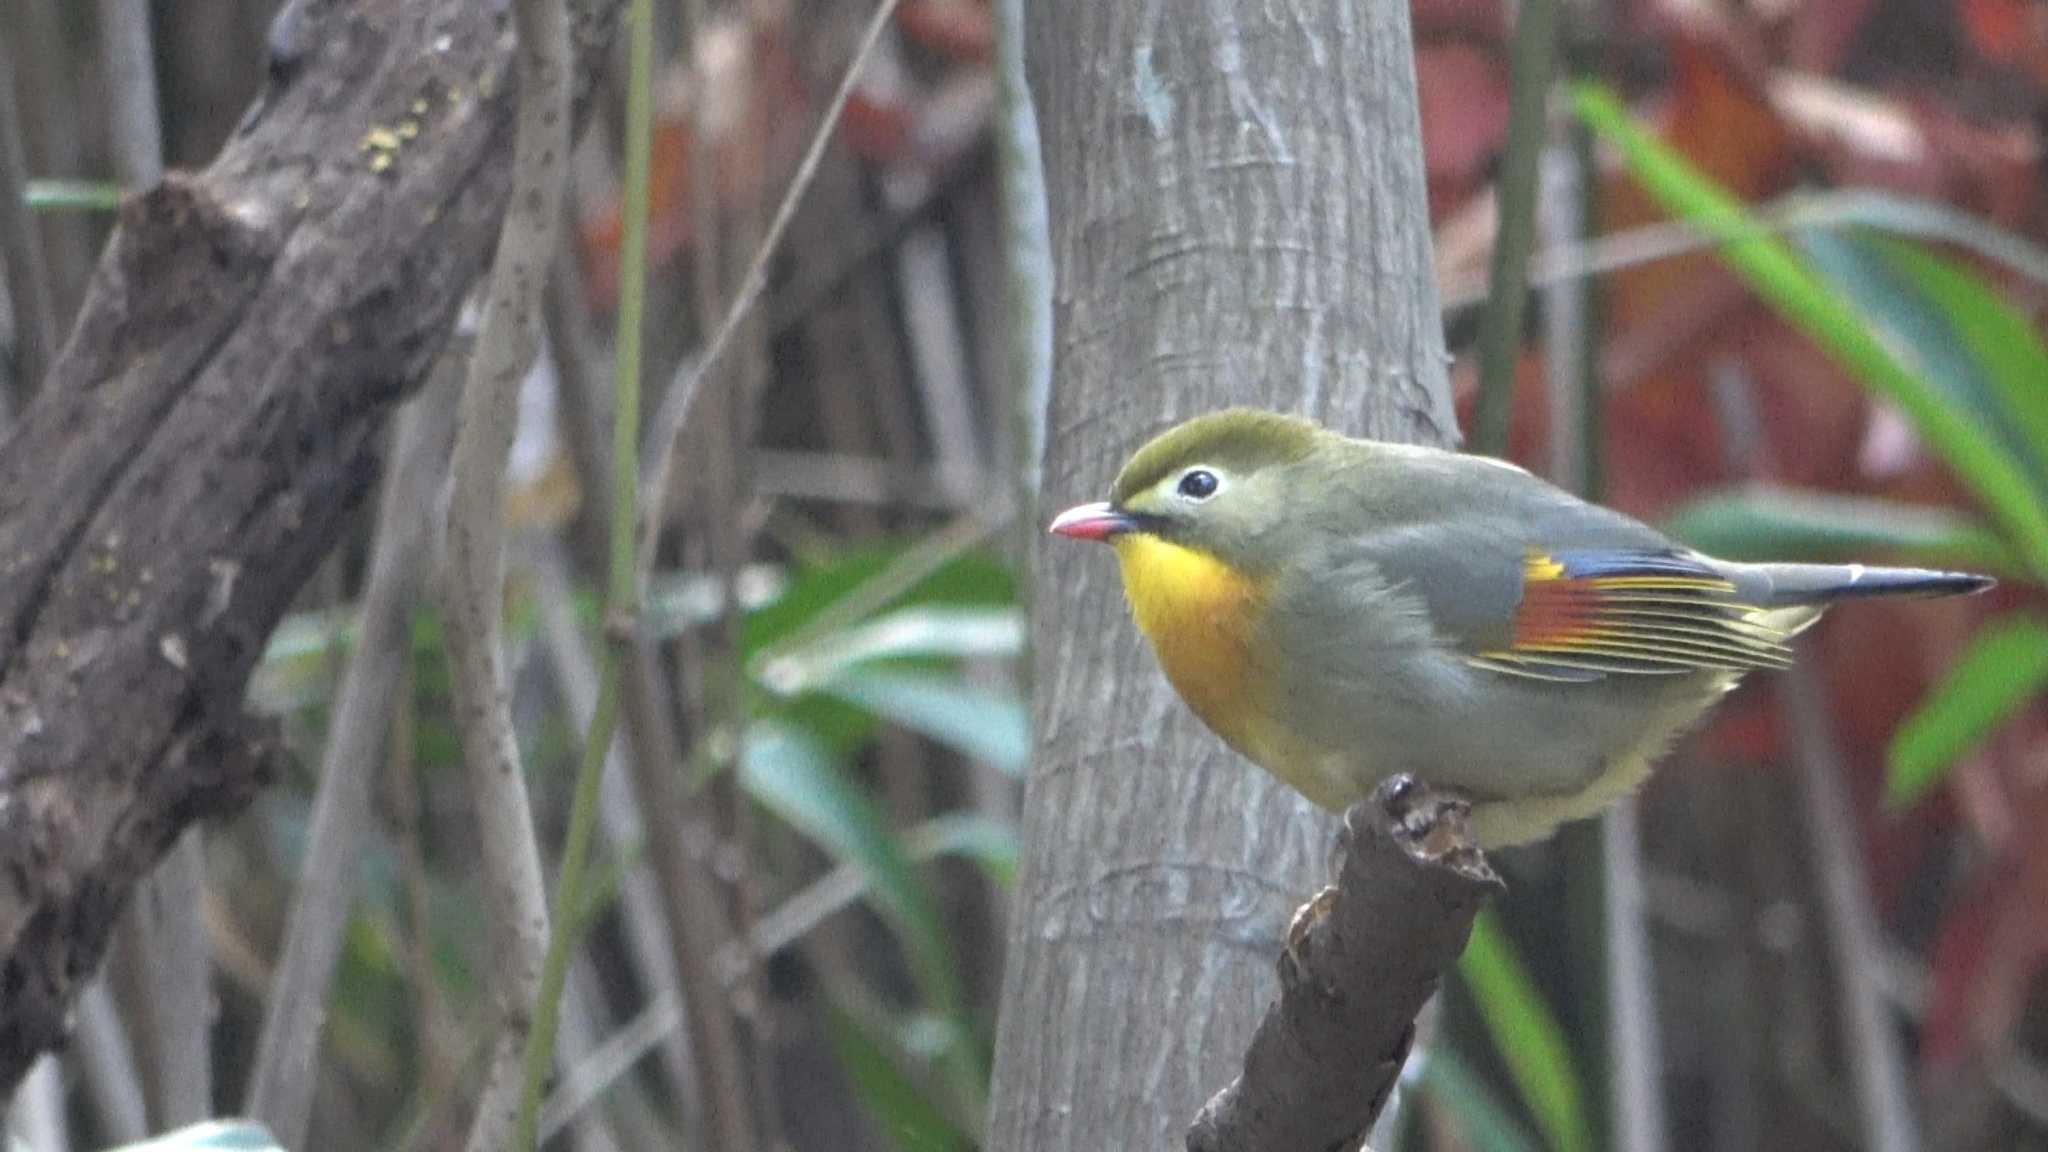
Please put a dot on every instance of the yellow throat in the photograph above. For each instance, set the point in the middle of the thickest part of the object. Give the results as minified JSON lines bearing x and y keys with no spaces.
{"x":1198,"y":613}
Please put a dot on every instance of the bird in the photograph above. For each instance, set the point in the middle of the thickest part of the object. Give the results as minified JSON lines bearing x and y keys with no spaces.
{"x":1342,"y":610}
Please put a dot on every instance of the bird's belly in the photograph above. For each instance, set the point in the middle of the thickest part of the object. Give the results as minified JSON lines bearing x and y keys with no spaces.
{"x":1502,"y":739}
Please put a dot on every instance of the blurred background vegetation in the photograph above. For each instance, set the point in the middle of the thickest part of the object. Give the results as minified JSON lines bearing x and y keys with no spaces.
{"x":1787,"y":297}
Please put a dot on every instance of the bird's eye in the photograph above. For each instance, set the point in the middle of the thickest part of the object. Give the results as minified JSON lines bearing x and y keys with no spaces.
{"x":1198,"y":484}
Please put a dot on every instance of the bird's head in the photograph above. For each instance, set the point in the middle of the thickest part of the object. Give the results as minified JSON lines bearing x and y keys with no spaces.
{"x":1215,"y":484}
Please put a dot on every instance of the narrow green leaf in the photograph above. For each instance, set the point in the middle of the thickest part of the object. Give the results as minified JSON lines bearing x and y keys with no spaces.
{"x":922,"y":632}
{"x":1918,"y":334}
{"x":1780,"y":278}
{"x":989,"y":843}
{"x":71,"y":196}
{"x":899,"y":1108}
{"x":976,"y":577}
{"x":2005,"y":341}
{"x":1527,"y":1036}
{"x":2005,"y":667}
{"x":791,"y":776}
{"x":977,"y":722}
{"x":1489,"y":1123}
{"x":1767,"y":523}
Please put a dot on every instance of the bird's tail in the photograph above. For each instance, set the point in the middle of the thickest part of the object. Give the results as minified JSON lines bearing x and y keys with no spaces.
{"x":1794,"y":595}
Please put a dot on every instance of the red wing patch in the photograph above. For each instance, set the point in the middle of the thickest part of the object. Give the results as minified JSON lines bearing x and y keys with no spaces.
{"x":1585,"y":615}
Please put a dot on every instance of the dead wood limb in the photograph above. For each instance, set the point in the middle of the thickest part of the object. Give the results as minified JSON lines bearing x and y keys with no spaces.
{"x":1327,"y":1053}
{"x":202,"y":440}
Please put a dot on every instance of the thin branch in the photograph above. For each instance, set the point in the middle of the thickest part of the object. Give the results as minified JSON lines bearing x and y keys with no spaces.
{"x":674,"y":413}
{"x":281,"y":1087}
{"x":1571,"y":342}
{"x":1028,"y":277}
{"x":110,"y":1077}
{"x":1500,"y":338}
{"x":644,"y":918}
{"x":621,"y":597}
{"x":473,"y":590}
{"x":1362,"y":960}
{"x":166,"y":932}
{"x":437,"y":1033}
{"x":1877,"y":1065}
{"x":130,"y":65}
{"x":28,"y":276}
{"x":691,"y":919}
{"x":37,"y":1116}
{"x":786,"y":924}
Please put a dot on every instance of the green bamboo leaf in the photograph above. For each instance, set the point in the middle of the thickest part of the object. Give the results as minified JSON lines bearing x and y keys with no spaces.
{"x":974,"y":578}
{"x":1772,"y":270}
{"x":977,"y":722}
{"x":1768,"y":523}
{"x":900,"y":1108}
{"x":792,"y":777}
{"x":2005,"y":668}
{"x":2004,"y":341}
{"x":1527,"y":1036}
{"x":1918,"y":334}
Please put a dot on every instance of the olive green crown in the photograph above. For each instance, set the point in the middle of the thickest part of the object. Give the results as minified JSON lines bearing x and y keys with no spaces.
{"x":1236,"y":440}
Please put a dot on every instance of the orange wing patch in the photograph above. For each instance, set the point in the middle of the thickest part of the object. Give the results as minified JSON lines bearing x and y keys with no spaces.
{"x":1586,"y":615}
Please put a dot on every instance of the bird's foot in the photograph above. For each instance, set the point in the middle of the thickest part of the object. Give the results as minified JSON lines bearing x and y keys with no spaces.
{"x":1305,"y":919}
{"x":1432,"y":820}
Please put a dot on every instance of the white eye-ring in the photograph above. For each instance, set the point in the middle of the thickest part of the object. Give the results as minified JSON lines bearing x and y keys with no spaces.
{"x":1197,"y":484}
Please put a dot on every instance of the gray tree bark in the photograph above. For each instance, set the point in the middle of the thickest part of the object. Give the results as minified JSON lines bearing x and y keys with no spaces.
{"x":1237,"y":216}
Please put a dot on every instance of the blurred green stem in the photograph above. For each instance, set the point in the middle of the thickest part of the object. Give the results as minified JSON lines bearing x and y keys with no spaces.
{"x":1500,"y":335}
{"x":622,"y":593}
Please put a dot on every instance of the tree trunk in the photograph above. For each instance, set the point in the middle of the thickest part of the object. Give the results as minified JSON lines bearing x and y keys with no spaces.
{"x":202,"y":438}
{"x":1237,"y":217}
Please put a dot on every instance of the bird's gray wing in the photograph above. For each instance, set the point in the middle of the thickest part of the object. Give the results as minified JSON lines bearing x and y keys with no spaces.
{"x":1523,"y":579}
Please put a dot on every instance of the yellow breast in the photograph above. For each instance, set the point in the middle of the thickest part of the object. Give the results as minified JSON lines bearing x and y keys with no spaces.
{"x":1198,"y":613}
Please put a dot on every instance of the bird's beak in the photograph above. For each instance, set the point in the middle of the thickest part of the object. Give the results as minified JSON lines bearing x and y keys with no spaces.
{"x":1091,"y":522}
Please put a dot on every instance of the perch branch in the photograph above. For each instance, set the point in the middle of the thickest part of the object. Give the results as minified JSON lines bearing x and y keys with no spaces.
{"x":1328,"y":1052}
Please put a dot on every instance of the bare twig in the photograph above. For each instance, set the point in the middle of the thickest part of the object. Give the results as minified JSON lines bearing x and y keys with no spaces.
{"x":473,"y":591}
{"x":1027,"y":249}
{"x":28,"y":278}
{"x":1362,"y":960}
{"x":37,"y":1116}
{"x":130,"y":64}
{"x":645,"y":920}
{"x":586,"y":1019}
{"x":582,"y":1084}
{"x":675,"y":406}
{"x":1635,"y":1056}
{"x":167,"y":937}
{"x":110,"y":1077}
{"x":1877,"y":1065}
{"x":691,"y":917}
{"x":281,"y":1087}
{"x":437,"y":1043}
